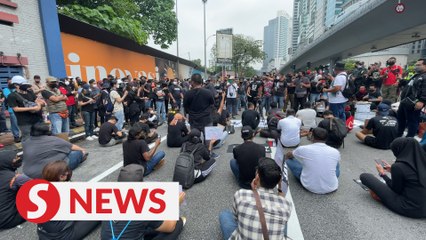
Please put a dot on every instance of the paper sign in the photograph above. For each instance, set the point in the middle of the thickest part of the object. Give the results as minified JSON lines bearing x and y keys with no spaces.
{"x":213,"y":133}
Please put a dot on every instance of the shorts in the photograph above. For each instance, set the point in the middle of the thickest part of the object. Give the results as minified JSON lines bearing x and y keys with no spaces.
{"x":370,"y":141}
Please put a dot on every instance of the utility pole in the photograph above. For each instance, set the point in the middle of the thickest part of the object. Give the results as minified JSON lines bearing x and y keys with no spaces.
{"x":205,"y":41}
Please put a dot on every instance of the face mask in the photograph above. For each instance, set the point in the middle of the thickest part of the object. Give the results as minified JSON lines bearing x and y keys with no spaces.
{"x":390,"y":63}
{"x":11,"y":86}
{"x":158,"y":86}
{"x":371,"y":90}
{"x":134,"y":88}
{"x":24,"y":87}
{"x":37,"y":81}
{"x":67,"y":83}
{"x":418,"y":69}
{"x":53,"y":85}
{"x":174,"y":83}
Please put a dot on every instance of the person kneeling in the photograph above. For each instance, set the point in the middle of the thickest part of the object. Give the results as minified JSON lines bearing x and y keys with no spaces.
{"x":319,"y":167}
{"x":203,"y":163}
{"x":109,"y":134}
{"x":383,"y":127}
{"x":177,"y":132}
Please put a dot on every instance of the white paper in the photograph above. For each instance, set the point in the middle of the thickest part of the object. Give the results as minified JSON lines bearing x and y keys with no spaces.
{"x":213,"y":133}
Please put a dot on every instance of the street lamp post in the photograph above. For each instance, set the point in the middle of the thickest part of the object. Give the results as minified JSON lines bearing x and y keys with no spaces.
{"x":205,"y":40}
{"x":177,"y":40}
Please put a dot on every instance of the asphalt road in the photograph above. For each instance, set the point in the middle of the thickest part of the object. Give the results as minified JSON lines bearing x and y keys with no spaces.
{"x":349,"y":213}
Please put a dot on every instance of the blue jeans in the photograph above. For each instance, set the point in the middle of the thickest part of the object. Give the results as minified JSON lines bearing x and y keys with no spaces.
{"x":120,"y":116}
{"x":147,"y":104}
{"x":14,"y":124}
{"x":242,"y":102}
{"x":72,"y":110}
{"x":150,"y":165}
{"x":236,"y":171}
{"x":228,"y":223}
{"x":280,"y":101}
{"x":266,"y":102}
{"x":221,"y":141}
{"x":296,"y":168}
{"x":89,"y":122}
{"x":74,"y":159}
{"x":338,"y":110}
{"x":59,"y":125}
{"x":314,"y":97}
{"x":161,"y":111}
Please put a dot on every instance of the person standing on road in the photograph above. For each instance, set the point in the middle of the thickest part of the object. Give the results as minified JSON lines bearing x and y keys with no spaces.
{"x":56,"y":105}
{"x":117,"y":101}
{"x":243,"y":222}
{"x":405,"y":192}
{"x":301,"y":92}
{"x":391,"y":75}
{"x":413,"y":99}
{"x":335,"y":97}
{"x":231,"y":97}
{"x":280,"y":91}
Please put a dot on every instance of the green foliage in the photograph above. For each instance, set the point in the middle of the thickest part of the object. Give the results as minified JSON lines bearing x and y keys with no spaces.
{"x":197,"y":62}
{"x":349,"y":65}
{"x":134,"y":19}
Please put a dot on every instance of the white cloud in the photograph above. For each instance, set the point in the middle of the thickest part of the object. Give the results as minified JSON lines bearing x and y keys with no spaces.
{"x":247,"y":17}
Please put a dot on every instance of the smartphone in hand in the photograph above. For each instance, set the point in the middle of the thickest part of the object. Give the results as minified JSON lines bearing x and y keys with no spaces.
{"x":378,"y":161}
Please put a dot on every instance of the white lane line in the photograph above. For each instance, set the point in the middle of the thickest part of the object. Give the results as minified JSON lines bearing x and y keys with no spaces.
{"x":116,"y":166}
{"x":294,"y":231}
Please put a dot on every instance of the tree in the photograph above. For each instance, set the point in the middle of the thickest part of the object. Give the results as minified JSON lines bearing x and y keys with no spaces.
{"x":134,"y":19}
{"x":245,"y":51}
{"x":197,"y":62}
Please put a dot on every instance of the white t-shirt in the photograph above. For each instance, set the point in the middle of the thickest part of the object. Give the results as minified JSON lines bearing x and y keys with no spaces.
{"x":308,"y":117}
{"x":290,"y":131}
{"x":319,"y":167}
{"x":117,"y":106}
{"x":232,"y":90}
{"x":337,"y":97}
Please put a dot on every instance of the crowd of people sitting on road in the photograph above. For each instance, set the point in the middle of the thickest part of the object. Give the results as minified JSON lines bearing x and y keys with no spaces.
{"x":282,"y":108}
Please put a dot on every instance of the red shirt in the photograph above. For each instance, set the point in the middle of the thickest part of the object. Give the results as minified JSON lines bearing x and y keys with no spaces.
{"x":392,"y":72}
{"x":71,"y":98}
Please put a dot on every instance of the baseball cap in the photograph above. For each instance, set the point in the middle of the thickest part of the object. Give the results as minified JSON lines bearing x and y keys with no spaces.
{"x":51,"y":79}
{"x":339,"y":66}
{"x":86,"y":86}
{"x":19,"y":80}
{"x":247,"y":132}
{"x":131,"y":173}
{"x":383,"y":109}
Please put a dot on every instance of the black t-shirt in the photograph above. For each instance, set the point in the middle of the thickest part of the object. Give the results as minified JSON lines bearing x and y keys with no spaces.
{"x":199,"y":103}
{"x":176,"y":91}
{"x":385,"y":129}
{"x":374,"y":95}
{"x":56,"y":230}
{"x":133,"y":152}
{"x":135,"y":230}
{"x":290,"y":90}
{"x":254,"y":88}
{"x":247,"y":156}
{"x":201,"y":154}
{"x":221,"y":118}
{"x":105,"y":132}
{"x":279,"y":88}
{"x":250,"y":118}
{"x":157,"y":91}
{"x":176,"y":133}
{"x":16,"y":99}
{"x":88,"y":107}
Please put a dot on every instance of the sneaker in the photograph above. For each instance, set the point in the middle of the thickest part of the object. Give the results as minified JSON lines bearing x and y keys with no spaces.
{"x":96,"y":129}
{"x":183,"y":220}
{"x":94,"y":137}
{"x":89,"y":138}
{"x":214,"y":155}
{"x":160,"y":164}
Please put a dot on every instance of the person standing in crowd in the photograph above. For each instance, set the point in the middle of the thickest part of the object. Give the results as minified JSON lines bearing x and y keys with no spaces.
{"x":405,"y":192}
{"x":87,"y":104}
{"x":280,"y":91}
{"x":198,"y":103}
{"x":159,"y":103}
{"x":316,"y":165}
{"x":383,"y":127}
{"x":242,"y":95}
{"x":268,"y":87}
{"x":59,"y":171}
{"x":10,"y":182}
{"x":176,"y":93}
{"x":246,"y":158}
{"x":243,"y":222}
{"x":96,"y":95}
{"x":413,"y":99}
{"x":3,"y":126}
{"x":254,"y":91}
{"x":391,"y":75}
{"x":291,"y":88}
{"x":56,"y":105}
{"x":231,"y":97}
{"x":136,"y":150}
{"x":26,"y":115}
{"x":335,"y":97}
{"x":38,"y":87}
{"x":314,"y":95}
{"x":109,"y":134}
{"x":41,"y":149}
{"x":302,"y":84}
{"x":117,"y":101}
{"x":70,"y":88}
{"x":12,"y":117}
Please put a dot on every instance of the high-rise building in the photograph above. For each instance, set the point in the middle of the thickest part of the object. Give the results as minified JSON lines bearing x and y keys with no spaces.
{"x":276,"y":41}
{"x":334,"y":7}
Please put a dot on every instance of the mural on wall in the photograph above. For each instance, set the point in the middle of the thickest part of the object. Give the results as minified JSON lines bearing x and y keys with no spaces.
{"x":94,"y":60}
{"x":166,"y":68}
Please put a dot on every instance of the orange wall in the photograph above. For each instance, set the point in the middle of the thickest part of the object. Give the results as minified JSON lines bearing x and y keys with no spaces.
{"x":89,"y":59}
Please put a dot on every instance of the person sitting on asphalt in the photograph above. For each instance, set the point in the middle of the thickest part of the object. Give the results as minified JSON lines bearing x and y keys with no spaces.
{"x":203,"y":162}
{"x":274,"y":109}
{"x":246,"y":158}
{"x":109,"y":134}
{"x":148,"y":127}
{"x":383,"y":128}
{"x":332,"y":140}
{"x":164,"y":230}
{"x":41,"y":149}
{"x":177,"y":132}
{"x":59,"y":171}
{"x":373,"y":95}
{"x":10,"y":182}
{"x":316,"y":166}
{"x":405,"y":193}
{"x":308,"y":116}
{"x":136,"y":150}
{"x":250,"y":117}
{"x":243,"y":222}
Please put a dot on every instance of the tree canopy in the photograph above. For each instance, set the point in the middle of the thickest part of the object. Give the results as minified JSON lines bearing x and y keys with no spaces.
{"x":135,"y":19}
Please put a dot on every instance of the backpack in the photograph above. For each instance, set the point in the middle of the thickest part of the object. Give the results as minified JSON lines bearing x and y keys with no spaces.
{"x":350,"y":89}
{"x":337,"y":131}
{"x":184,"y":168}
{"x":105,"y":103}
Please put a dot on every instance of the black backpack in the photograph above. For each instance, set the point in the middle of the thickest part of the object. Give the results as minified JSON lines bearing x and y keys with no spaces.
{"x":337,"y":132}
{"x":350,"y":89}
{"x":184,"y":168}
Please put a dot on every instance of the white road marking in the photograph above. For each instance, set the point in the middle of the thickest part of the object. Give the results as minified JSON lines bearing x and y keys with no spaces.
{"x":294,"y":231}
{"x":116,"y":166}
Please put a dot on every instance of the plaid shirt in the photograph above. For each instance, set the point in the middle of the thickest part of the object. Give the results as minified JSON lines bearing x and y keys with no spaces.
{"x":276,"y":208}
